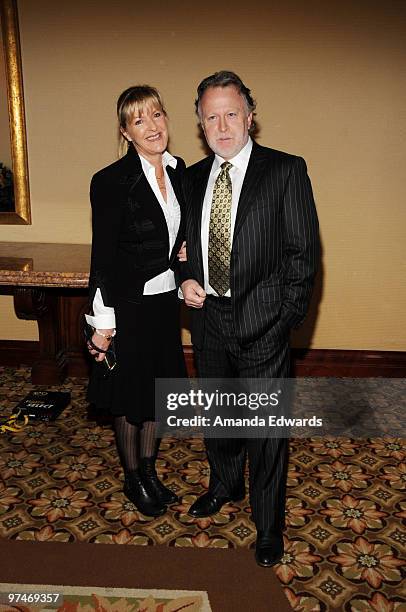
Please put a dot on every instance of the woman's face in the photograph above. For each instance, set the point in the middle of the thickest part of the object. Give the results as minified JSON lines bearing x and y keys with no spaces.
{"x":148,"y":130}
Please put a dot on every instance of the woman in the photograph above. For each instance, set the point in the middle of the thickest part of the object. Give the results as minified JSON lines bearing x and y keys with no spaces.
{"x":137,"y":233}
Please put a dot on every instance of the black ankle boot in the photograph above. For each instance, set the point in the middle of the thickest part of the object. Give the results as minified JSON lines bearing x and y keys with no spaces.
{"x":135,"y":490}
{"x":152,"y":483}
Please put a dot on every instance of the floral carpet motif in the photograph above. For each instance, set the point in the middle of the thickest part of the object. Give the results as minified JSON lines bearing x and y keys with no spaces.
{"x":87,"y":599}
{"x":346,"y":503}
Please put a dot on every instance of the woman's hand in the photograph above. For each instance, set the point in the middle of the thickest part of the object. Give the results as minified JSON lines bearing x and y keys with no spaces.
{"x":182,"y":255}
{"x":99,"y":341}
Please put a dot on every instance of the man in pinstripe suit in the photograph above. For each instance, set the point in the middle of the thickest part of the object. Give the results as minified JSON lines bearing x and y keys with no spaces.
{"x":241,"y":323}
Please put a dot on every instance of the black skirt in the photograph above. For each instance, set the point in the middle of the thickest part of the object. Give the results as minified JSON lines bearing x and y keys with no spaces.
{"x":148,"y":346}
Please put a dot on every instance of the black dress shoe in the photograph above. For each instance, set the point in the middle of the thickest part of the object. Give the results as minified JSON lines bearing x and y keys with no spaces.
{"x":269,"y":547}
{"x":209,"y":504}
{"x":152,"y":483}
{"x":136,"y":492}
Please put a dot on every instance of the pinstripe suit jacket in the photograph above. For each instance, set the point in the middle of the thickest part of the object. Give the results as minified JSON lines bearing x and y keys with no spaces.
{"x":275,"y":246}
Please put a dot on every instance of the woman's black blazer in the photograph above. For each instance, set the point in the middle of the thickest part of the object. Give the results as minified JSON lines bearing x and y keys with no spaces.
{"x":130,"y":236}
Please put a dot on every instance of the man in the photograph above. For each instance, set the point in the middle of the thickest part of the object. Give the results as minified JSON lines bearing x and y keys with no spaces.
{"x":252,"y":252}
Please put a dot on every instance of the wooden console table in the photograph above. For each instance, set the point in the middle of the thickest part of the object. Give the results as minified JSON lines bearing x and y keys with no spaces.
{"x":49,"y":284}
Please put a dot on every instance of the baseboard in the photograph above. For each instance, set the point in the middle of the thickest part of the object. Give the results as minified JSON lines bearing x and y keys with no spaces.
{"x":347,"y":363}
{"x":18,"y":352}
{"x":305,"y":362}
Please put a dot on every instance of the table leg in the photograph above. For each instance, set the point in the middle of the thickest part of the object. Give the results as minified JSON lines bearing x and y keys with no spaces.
{"x":42,"y":305}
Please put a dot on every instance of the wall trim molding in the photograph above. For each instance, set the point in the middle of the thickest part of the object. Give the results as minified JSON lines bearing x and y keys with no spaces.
{"x":18,"y":352}
{"x":349,"y":363}
{"x":305,"y":362}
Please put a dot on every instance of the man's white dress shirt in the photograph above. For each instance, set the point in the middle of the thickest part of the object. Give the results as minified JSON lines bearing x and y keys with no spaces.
{"x":237,"y":175}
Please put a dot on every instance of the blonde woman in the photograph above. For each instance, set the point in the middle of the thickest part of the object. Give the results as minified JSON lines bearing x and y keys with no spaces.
{"x":137,"y":222}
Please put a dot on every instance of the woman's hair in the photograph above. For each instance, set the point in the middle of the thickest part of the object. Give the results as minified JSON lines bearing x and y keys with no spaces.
{"x":132,"y":102}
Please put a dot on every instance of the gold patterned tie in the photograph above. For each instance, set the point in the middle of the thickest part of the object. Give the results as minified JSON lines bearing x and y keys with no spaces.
{"x":220,"y":232}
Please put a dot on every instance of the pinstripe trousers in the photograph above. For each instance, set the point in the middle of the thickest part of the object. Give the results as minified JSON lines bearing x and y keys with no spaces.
{"x":222,"y":356}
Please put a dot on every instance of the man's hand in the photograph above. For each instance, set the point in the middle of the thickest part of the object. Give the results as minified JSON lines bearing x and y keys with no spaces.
{"x":182,"y":254}
{"x":193,"y":293}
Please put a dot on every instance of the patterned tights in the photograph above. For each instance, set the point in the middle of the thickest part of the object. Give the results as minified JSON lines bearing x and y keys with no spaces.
{"x":135,"y":442}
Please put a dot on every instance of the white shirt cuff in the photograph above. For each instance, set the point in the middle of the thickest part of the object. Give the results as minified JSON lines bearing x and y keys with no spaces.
{"x":102,"y":321}
{"x":104,"y":316}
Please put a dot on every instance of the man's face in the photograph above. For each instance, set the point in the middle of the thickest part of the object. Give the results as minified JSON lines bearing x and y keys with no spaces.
{"x":225,"y":120}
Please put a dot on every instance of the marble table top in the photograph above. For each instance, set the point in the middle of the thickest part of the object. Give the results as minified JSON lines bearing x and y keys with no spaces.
{"x":44,"y":264}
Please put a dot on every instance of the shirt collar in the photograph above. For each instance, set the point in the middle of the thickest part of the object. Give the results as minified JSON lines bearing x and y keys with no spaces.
{"x":167,"y":160}
{"x":240,"y":160}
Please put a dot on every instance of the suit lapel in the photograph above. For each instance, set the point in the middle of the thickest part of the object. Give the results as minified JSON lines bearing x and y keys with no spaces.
{"x":131,"y":171}
{"x":199,"y":191}
{"x":141,"y":197}
{"x":255,"y":170}
{"x":175,"y":178}
{"x":151,"y":208}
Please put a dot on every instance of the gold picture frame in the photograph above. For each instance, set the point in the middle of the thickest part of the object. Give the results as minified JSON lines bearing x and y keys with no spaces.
{"x":16,"y":110}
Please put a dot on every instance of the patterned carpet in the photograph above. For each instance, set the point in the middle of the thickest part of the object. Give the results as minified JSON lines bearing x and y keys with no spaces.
{"x":81,"y":599}
{"x":346,"y":503}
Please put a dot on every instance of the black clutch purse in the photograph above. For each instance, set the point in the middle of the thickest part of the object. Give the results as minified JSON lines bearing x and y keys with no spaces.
{"x":109,"y":362}
{"x":43,"y":405}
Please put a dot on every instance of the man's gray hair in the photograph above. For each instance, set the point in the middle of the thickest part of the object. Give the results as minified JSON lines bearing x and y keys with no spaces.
{"x":225,"y":78}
